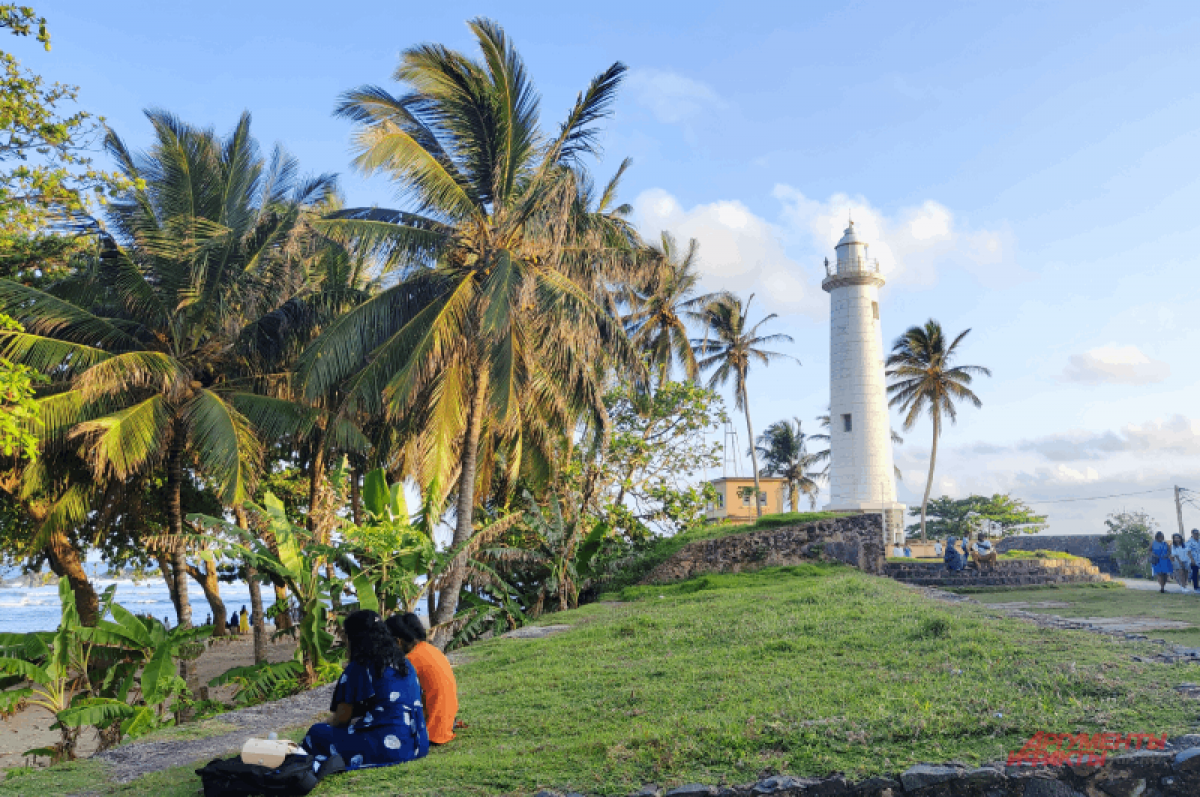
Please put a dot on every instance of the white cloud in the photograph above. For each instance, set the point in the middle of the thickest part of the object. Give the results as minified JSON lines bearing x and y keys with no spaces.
{"x":1121,"y":365}
{"x":671,"y":97}
{"x":912,"y":245}
{"x":1063,"y":468}
{"x":739,"y":251}
{"x":781,"y":260}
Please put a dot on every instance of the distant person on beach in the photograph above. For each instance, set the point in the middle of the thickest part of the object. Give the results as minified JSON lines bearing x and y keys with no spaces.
{"x":438,"y":687}
{"x":1181,"y":560}
{"x":1160,"y":560}
{"x":1193,"y":546}
{"x":232,"y":625}
{"x":208,"y":619}
{"x":379,"y":678}
{"x":244,"y":622}
{"x":937,"y":549}
{"x":954,"y":560}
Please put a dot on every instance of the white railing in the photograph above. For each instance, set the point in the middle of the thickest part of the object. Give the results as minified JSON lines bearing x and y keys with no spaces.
{"x":854,"y":265}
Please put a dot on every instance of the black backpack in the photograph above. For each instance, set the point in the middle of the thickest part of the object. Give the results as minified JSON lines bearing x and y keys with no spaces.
{"x":297,"y":775}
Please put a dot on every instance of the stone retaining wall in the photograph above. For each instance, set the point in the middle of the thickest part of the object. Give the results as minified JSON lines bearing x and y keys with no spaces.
{"x":854,"y":539}
{"x":1090,"y":546}
{"x":1011,"y":573}
{"x":1172,"y":771}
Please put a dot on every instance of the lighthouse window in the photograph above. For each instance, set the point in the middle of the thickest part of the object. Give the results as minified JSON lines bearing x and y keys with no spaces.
{"x":849,"y":427}
{"x":875,"y":310}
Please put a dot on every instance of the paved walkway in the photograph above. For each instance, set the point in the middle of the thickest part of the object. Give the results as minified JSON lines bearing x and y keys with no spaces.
{"x":1147,"y":585}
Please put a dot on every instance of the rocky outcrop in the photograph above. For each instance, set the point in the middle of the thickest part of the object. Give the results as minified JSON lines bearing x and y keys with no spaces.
{"x":1090,"y":546}
{"x":855,"y":540}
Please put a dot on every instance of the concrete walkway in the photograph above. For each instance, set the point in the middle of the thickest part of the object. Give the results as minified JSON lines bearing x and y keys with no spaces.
{"x":1147,"y":585}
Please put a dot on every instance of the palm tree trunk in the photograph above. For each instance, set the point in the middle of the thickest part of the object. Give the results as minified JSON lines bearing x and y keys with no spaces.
{"x":175,"y":518}
{"x":464,"y":516}
{"x":207,"y":579}
{"x":753,"y":453}
{"x":257,"y":619}
{"x":315,"y":474}
{"x":794,"y":496}
{"x":929,"y":482}
{"x":355,"y":496}
{"x":65,"y":563}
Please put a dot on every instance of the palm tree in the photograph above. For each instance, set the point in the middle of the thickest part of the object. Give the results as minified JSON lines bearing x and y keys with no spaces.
{"x":140,"y":343}
{"x":823,"y":456}
{"x":924,"y":380}
{"x":657,"y":304}
{"x":784,"y":449}
{"x":499,"y":322}
{"x":729,"y":345}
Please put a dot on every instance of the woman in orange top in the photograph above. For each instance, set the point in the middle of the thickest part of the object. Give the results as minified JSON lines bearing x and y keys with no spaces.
{"x":438,"y":688}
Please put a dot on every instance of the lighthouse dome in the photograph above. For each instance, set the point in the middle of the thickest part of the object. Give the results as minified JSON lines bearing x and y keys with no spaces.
{"x":851,"y":236}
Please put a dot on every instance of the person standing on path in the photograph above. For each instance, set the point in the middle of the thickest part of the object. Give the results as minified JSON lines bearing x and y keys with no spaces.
{"x":244,"y":622}
{"x":1160,"y":560}
{"x":1193,"y":546}
{"x":1181,"y":560}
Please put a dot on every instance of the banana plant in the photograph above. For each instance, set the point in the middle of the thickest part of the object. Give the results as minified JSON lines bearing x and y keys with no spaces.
{"x":389,"y":553}
{"x":296,"y":560}
{"x":87,"y":676}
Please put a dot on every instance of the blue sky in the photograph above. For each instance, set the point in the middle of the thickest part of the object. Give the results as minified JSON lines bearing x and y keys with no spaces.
{"x":1027,"y":170}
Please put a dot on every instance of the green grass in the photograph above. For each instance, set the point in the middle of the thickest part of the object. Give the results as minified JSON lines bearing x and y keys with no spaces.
{"x":804,"y":670}
{"x":660,"y":549}
{"x":1117,"y":601}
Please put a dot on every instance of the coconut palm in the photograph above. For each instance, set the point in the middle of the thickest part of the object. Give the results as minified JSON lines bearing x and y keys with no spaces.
{"x":923,"y":380}
{"x":729,"y":345}
{"x":783,"y":447}
{"x":499,"y":320}
{"x":823,"y":456}
{"x":657,"y":306}
{"x":141,"y":342}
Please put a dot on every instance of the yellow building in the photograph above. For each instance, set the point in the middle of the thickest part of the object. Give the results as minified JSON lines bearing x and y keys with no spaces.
{"x":734,"y":505}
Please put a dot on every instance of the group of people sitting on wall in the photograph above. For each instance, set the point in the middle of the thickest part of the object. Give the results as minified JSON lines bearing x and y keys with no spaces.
{"x":980,"y":553}
{"x":396,"y":696}
{"x":1180,"y":560}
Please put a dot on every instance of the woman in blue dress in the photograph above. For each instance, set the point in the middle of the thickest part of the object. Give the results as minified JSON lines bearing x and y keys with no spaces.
{"x":377,"y":716}
{"x":954,"y":560}
{"x":1160,"y":560}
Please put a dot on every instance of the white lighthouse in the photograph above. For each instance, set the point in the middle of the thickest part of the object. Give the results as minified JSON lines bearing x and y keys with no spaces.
{"x":860,"y":438}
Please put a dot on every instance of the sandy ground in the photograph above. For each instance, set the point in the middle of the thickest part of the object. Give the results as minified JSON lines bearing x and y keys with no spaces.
{"x":31,"y":727}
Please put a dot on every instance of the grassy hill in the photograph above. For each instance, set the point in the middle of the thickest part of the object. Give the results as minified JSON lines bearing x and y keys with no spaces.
{"x":802,"y":670}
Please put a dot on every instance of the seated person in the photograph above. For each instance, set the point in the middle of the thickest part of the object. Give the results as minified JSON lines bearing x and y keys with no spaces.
{"x":896,"y":552}
{"x":908,"y":552}
{"x":438,"y":687}
{"x":380,"y":682}
{"x":937,"y":549}
{"x":954,"y":559}
{"x":982,"y":552}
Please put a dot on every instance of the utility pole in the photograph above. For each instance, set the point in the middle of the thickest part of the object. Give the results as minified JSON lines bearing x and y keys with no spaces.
{"x":1179,"y":513}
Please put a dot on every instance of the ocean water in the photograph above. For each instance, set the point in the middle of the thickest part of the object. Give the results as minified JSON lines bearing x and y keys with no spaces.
{"x":24,"y":609}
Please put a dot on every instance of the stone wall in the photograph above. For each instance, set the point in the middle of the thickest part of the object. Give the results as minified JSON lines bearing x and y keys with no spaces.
{"x":1170,"y":769}
{"x":854,"y":539}
{"x":1005,"y":573}
{"x":1089,"y":545}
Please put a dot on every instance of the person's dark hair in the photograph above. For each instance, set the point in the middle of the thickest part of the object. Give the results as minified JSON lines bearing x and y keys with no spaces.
{"x":1176,"y":536}
{"x":1159,"y":536}
{"x":408,"y":628}
{"x":371,"y":645}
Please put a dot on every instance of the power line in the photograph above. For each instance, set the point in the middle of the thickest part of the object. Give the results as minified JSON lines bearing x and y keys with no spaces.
{"x":1100,"y":497}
